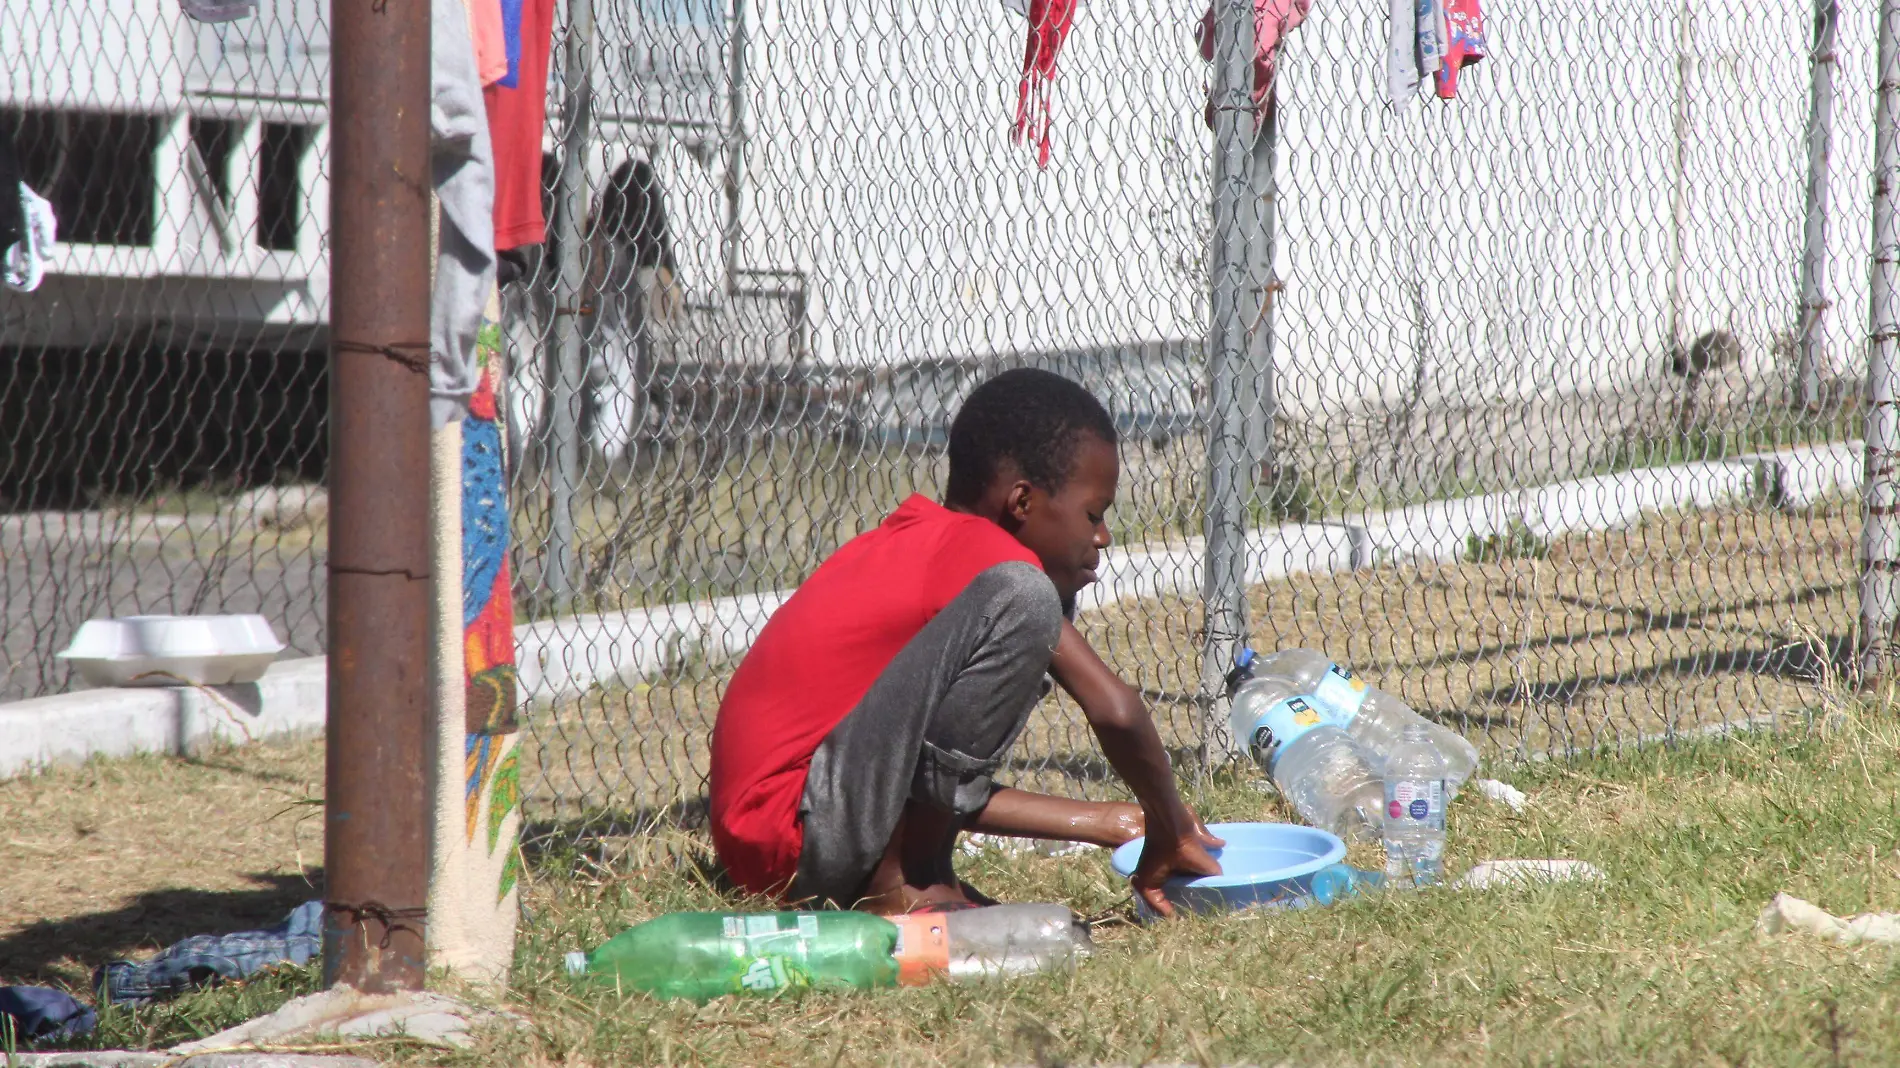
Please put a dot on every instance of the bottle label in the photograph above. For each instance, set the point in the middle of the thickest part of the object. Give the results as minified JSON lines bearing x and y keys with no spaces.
{"x":1339,"y":691}
{"x":923,"y":947}
{"x":1283,"y":722}
{"x":771,"y":925}
{"x":768,"y":974}
{"x":775,"y":945}
{"x":1416,"y":801}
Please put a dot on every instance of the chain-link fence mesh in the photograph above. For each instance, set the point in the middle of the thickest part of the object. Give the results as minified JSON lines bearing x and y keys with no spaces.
{"x":1555,"y":454}
{"x":162,"y":392}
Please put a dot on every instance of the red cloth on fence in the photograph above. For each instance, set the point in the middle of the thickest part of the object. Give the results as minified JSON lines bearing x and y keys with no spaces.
{"x":517,"y":120}
{"x":1049,"y":24}
{"x":1466,"y":45}
{"x":1272,"y":20}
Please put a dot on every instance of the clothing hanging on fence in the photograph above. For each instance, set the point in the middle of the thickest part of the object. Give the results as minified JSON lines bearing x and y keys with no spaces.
{"x":1430,"y":39}
{"x":463,"y":171}
{"x":27,"y":257}
{"x":218,"y":10}
{"x":491,"y":45}
{"x":517,"y":118}
{"x":1272,"y":21}
{"x":1412,"y":51}
{"x":1049,"y":25}
{"x":511,"y":42}
{"x":1465,"y":24}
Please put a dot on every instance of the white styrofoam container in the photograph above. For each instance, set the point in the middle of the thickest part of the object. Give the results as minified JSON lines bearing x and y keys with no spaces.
{"x":173,"y":650}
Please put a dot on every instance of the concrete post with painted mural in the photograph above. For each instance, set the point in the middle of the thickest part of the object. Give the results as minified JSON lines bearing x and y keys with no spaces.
{"x":473,"y":903}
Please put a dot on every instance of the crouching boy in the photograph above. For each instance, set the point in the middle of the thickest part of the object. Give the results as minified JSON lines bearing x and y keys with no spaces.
{"x":862,"y":731}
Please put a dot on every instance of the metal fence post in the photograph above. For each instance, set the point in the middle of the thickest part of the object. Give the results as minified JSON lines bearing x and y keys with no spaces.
{"x":1256,"y":396}
{"x":376,"y":802}
{"x":1679,"y":189}
{"x":735,"y":143}
{"x":577,"y":112}
{"x":1223,"y":590}
{"x":1811,"y":311}
{"x":1880,"y":532}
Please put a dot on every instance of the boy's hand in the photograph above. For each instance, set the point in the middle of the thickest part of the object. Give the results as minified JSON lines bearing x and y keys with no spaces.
{"x":1177,"y":840}
{"x":1167,"y":855}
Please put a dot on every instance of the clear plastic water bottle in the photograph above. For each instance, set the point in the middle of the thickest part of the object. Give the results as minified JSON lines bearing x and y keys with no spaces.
{"x":1415,"y":810}
{"x":1374,"y":718}
{"x":1315,"y":765}
{"x":1000,"y":940}
{"x":1337,"y":882}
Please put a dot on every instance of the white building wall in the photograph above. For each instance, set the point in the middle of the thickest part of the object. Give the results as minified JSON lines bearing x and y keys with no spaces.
{"x":1535,"y":214}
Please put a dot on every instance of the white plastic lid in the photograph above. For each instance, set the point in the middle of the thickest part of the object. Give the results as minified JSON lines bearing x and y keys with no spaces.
{"x":576,"y":962}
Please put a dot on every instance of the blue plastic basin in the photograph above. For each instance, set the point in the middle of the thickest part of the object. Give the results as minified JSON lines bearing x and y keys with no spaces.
{"x":1262,"y":863}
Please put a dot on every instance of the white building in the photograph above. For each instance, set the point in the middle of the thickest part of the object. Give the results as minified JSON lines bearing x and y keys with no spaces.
{"x":185,"y":162}
{"x":1538,"y":221}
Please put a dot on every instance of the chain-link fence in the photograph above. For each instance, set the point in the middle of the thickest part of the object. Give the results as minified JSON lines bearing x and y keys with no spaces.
{"x":1557,"y":443}
{"x":162,"y":391}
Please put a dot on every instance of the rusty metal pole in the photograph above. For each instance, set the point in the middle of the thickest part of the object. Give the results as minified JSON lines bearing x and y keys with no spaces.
{"x":376,"y":801}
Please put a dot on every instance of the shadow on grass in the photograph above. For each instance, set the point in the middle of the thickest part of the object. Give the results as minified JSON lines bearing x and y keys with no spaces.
{"x":1795,"y":660}
{"x":1641,"y":621}
{"x":63,"y":952}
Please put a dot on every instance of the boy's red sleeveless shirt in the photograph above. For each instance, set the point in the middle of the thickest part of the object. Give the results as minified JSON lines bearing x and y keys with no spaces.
{"x":815,"y":659}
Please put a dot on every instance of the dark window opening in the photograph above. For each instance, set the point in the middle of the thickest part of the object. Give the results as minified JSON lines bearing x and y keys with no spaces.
{"x":215,"y":140}
{"x":98,"y":170}
{"x":280,"y":195}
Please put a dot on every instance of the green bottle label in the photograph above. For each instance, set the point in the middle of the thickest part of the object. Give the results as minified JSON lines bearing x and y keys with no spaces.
{"x":767,"y":974}
{"x":775,"y":948}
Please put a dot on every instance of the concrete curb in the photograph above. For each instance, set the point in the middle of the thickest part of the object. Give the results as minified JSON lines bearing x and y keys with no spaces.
{"x":564,"y":658}
{"x":287,"y":701}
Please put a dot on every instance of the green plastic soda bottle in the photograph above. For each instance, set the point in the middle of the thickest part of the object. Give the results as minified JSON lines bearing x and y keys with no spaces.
{"x":704,"y":955}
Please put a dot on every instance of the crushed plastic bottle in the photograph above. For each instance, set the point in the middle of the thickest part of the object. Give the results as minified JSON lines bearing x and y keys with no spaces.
{"x":1337,"y":882}
{"x":1317,"y":767}
{"x":1415,"y":811}
{"x":1000,"y":940}
{"x":704,"y":955}
{"x":1374,"y":718}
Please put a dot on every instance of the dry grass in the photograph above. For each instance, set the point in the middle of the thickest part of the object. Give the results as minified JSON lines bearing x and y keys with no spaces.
{"x":1659,"y":965}
{"x":122,"y":856}
{"x":1682,"y":621}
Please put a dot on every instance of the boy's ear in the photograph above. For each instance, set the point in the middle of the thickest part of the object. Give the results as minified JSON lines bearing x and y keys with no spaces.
{"x":1017,"y":502}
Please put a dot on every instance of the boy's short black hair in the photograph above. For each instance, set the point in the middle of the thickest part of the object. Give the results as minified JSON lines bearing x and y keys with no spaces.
{"x":1025,"y":417}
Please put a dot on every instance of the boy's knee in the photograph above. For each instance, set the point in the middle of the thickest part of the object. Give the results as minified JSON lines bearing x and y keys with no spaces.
{"x":1021,"y":601}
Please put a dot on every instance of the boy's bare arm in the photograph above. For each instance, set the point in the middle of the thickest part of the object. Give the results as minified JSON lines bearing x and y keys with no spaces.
{"x":1177,"y":841}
